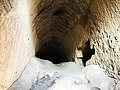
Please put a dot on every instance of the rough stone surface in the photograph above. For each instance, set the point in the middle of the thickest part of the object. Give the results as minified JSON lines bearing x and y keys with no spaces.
{"x":106,"y":38}
{"x":16,"y":48}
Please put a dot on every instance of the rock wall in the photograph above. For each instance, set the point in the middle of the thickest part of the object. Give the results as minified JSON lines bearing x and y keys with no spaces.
{"x":16,"y":43}
{"x":106,"y":35}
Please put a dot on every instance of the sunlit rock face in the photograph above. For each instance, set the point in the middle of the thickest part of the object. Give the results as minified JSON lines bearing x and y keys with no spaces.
{"x":16,"y":44}
{"x":106,"y":39}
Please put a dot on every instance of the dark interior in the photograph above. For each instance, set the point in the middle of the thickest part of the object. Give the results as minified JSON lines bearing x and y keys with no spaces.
{"x":54,"y":25}
{"x":53,"y":54}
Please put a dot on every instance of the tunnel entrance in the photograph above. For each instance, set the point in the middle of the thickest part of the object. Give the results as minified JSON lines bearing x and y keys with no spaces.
{"x":60,"y":28}
{"x":56,"y":54}
{"x":52,"y":53}
{"x":87,"y":52}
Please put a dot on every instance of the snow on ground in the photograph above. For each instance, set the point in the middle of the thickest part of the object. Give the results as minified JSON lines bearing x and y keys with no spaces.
{"x":43,"y":75}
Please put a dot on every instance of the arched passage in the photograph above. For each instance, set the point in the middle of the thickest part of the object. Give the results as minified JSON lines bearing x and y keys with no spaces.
{"x":60,"y":28}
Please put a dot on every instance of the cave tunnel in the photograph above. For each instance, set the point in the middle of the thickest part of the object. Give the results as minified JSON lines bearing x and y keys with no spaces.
{"x":59,"y":28}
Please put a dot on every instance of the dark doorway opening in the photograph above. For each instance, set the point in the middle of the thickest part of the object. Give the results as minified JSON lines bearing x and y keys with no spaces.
{"x":53,"y":54}
{"x":87,"y":52}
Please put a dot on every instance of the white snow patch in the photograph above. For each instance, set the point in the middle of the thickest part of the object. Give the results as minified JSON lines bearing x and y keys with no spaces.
{"x":43,"y":75}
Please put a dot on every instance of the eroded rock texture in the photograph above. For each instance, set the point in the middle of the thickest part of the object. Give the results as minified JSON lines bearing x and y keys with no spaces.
{"x":106,"y":37}
{"x":16,"y":46}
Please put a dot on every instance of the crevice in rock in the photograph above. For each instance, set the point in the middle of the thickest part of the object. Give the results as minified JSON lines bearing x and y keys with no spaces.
{"x":87,"y":52}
